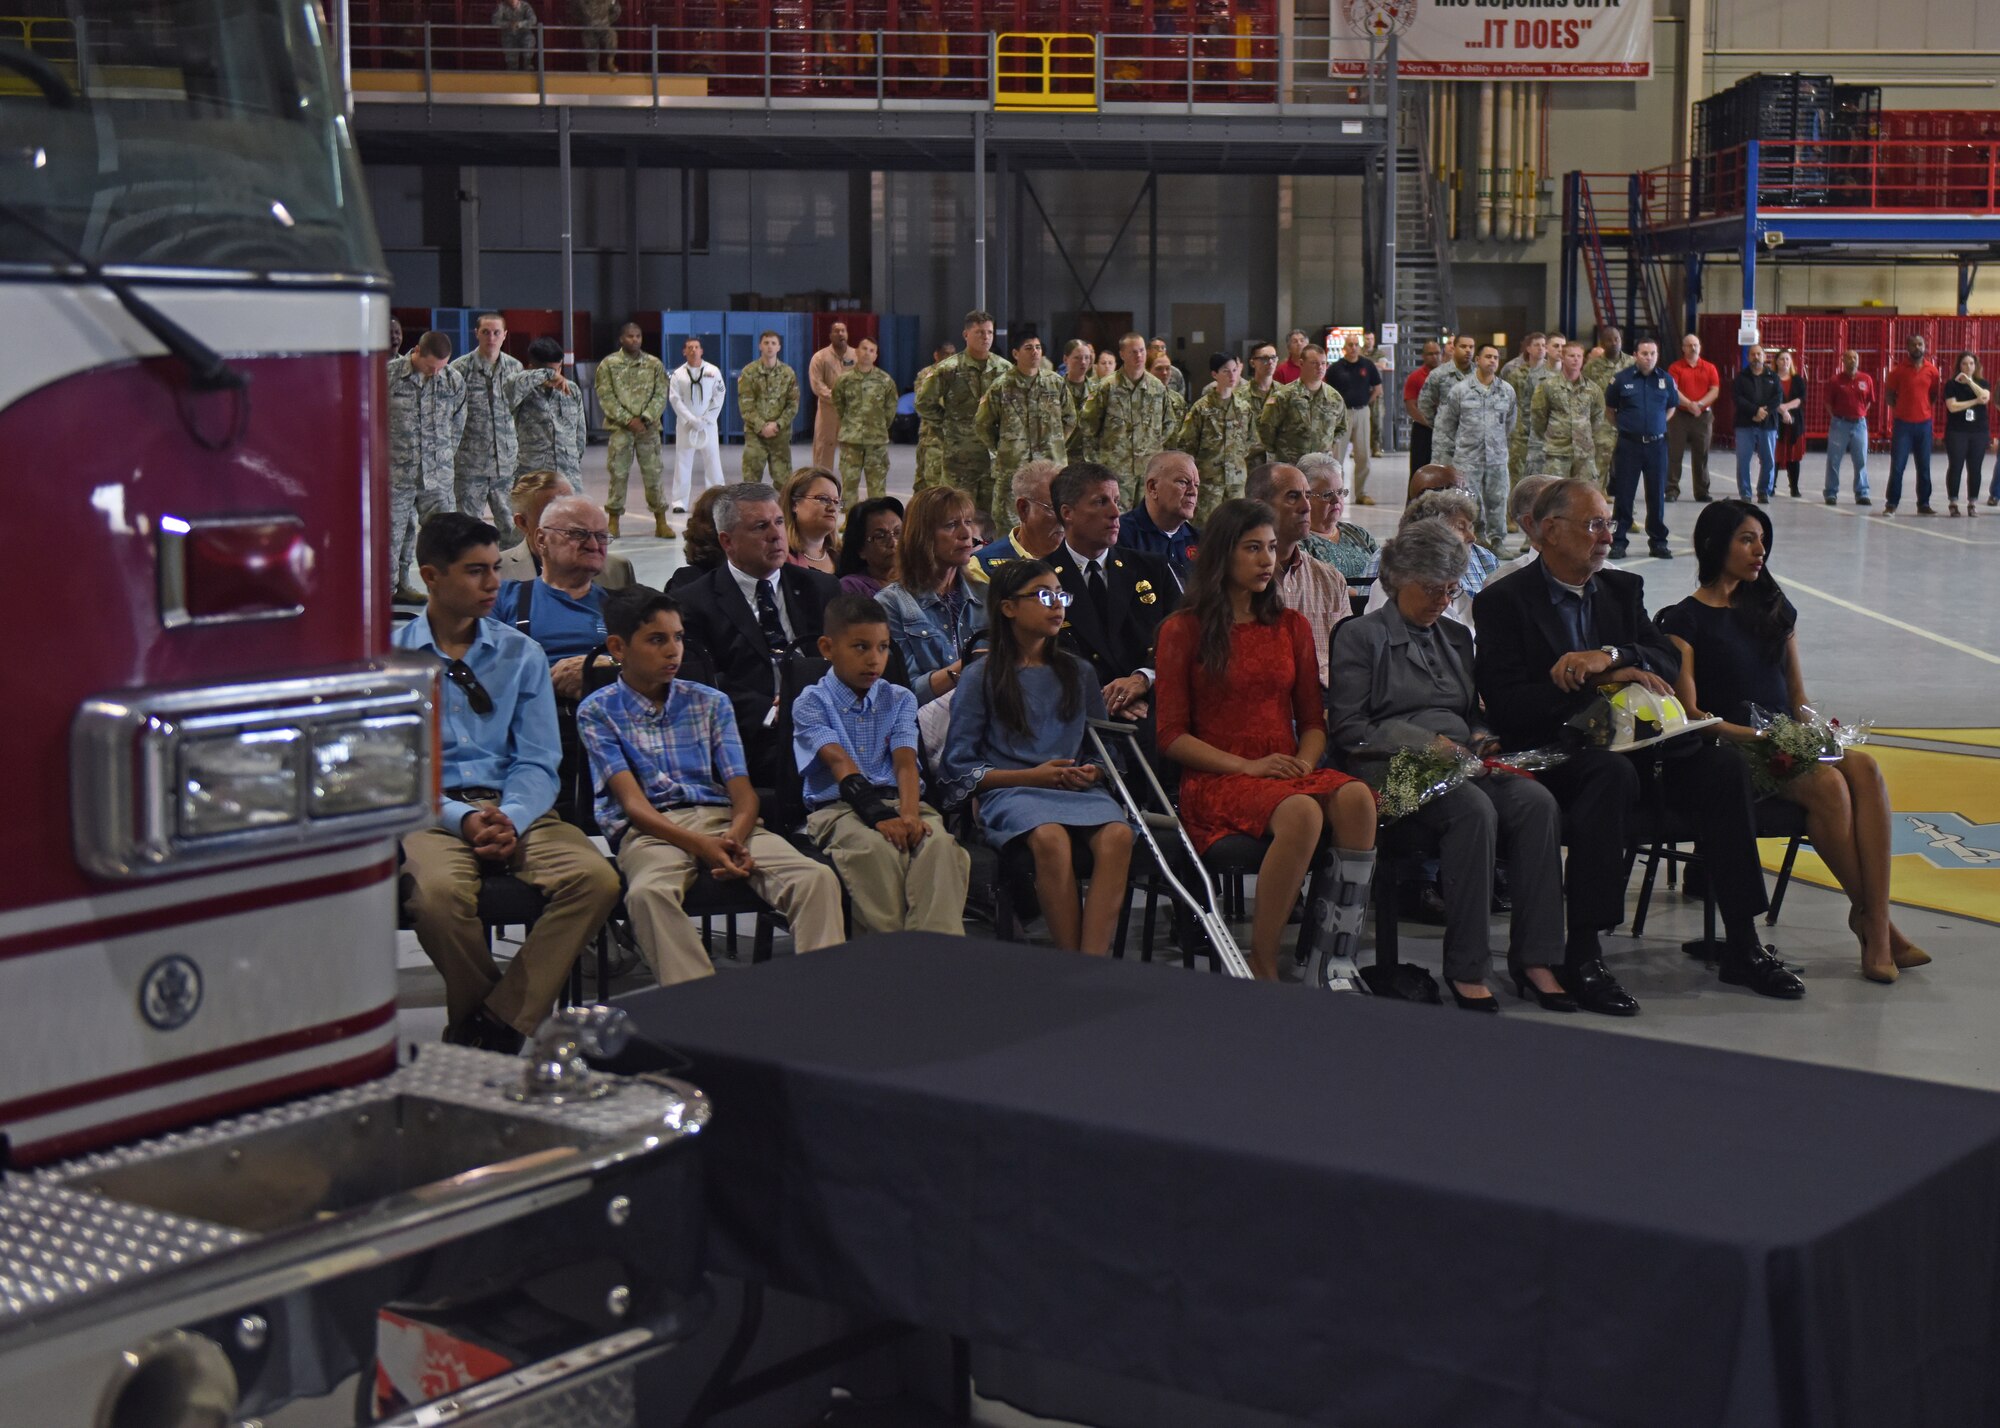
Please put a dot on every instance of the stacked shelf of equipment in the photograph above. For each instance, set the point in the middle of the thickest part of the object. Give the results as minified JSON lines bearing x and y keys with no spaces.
{"x":1801,"y":112}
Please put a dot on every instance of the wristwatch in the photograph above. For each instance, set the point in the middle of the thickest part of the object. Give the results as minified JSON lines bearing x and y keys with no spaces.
{"x":1618,"y":659}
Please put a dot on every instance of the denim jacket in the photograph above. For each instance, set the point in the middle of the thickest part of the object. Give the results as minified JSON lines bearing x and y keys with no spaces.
{"x":922,"y":627}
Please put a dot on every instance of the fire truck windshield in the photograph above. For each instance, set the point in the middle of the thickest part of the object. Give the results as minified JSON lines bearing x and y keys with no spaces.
{"x":203,"y":139}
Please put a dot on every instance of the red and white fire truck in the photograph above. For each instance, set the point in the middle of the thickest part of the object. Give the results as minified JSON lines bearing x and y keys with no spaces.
{"x":222,"y":1199}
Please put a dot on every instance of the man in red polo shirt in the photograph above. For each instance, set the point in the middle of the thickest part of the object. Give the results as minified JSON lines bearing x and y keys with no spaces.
{"x":1692,"y":422}
{"x":1913,"y":389}
{"x":1850,"y":395}
{"x":1413,"y":386}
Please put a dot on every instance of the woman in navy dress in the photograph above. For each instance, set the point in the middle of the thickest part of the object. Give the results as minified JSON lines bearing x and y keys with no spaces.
{"x":1017,"y":721}
{"x":1739,"y":646}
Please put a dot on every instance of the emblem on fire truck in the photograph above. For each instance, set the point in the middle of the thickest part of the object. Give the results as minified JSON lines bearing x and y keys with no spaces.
{"x":171,"y":993}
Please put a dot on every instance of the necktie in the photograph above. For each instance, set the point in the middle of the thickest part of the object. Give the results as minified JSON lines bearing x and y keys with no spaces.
{"x":768,"y":621}
{"x":1094,"y":581}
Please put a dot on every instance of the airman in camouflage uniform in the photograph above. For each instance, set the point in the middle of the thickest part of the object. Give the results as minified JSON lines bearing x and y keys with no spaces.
{"x":1303,"y":416}
{"x":948,"y":401}
{"x":426,"y":419}
{"x":1472,"y":430}
{"x":865,"y":399}
{"x":1524,"y":374}
{"x":767,"y":392}
{"x":549,"y":421}
{"x":1078,"y":359}
{"x":926,"y":433}
{"x":487,"y":451}
{"x":1600,"y":370}
{"x":1218,"y":432}
{"x":1025,"y":416}
{"x":1127,"y":419}
{"x":1456,"y":367}
{"x":1565,"y":414}
{"x":632,"y":390}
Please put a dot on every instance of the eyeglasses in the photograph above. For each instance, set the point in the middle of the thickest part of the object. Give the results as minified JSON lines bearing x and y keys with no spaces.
{"x":1441,"y":592}
{"x":581,"y":536}
{"x":1050,"y":599}
{"x":831,"y":503}
{"x":1327,"y":495}
{"x":883,"y":537}
{"x":1601,"y":526}
{"x":460,"y":674}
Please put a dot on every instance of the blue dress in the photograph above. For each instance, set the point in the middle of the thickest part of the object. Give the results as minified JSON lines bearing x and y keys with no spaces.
{"x":978,"y":742}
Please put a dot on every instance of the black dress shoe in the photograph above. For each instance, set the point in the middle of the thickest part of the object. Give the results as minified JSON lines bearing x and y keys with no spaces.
{"x":486,"y":1032}
{"x":1487,"y":1003}
{"x":1763,"y":974}
{"x":1594,"y":989}
{"x":1662,"y":551}
{"x":1547,"y":1001}
{"x":1617,"y":550}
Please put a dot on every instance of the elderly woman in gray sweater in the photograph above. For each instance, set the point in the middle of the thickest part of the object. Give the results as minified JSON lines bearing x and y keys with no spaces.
{"x":1402,"y":678}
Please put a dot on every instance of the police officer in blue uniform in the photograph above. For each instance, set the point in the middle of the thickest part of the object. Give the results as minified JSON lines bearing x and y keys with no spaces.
{"x":1640,"y":399}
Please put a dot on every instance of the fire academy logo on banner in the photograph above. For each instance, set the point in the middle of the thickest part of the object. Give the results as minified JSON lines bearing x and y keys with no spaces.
{"x":1499,"y":39}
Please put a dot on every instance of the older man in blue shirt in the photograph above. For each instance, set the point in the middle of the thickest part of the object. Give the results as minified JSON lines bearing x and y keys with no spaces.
{"x":1162,"y":523}
{"x":499,"y":756}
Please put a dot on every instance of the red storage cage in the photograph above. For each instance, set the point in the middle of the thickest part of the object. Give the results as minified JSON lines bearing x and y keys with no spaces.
{"x":525,"y":324}
{"x":719,"y":41}
{"x":1718,"y":344}
{"x":1820,"y":345}
{"x":859,"y":325}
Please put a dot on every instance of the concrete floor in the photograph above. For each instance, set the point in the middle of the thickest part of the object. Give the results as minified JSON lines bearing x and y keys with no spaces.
{"x":1898,"y":625}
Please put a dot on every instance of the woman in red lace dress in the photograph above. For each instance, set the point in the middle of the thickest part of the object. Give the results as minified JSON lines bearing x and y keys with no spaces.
{"x":1239,"y":704}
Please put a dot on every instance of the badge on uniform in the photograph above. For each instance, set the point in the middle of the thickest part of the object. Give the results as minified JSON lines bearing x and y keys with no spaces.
{"x":1144,"y":590}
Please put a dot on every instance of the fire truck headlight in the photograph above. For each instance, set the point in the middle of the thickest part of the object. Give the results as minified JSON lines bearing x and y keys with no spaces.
{"x":369,"y":766}
{"x":239,"y":782}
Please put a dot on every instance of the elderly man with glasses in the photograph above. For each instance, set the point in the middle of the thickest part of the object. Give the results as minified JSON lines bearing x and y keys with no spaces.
{"x":1036,"y":533}
{"x":563,"y":610}
{"x":1551,"y":637}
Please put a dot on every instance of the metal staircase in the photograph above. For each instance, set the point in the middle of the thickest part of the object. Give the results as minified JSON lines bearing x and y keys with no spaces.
{"x":1425,"y":304}
{"x":1603,"y":247}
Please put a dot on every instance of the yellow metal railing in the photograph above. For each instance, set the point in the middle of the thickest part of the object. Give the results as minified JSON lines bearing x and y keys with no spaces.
{"x":52,"y":38}
{"x":1045,"y":72}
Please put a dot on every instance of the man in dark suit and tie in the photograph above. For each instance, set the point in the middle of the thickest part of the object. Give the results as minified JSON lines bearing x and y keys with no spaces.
{"x":1550,"y":635}
{"x":751,"y":613}
{"x":1121,"y":594}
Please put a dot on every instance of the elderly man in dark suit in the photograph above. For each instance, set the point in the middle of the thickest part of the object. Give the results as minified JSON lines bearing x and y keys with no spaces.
{"x":1403,"y":678}
{"x":1561,"y":629}
{"x":749,"y":615}
{"x":1121,"y":594}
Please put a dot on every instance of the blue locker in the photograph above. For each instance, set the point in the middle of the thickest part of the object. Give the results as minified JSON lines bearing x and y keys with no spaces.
{"x":901,"y":358}
{"x":455,"y":323}
{"x":706,"y":327}
{"x":740,"y":343}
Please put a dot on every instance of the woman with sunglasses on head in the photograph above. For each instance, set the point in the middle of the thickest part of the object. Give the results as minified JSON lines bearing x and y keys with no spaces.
{"x":1240,"y":709}
{"x":812,"y":519}
{"x":1017,"y":725}
{"x":1738,"y":642}
{"x":934,"y":613}
{"x":1403,"y":678}
{"x":868,"y":546}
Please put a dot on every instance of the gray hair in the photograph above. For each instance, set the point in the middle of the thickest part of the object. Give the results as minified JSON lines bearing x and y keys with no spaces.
{"x":563,"y":505}
{"x":1036,"y":476}
{"x":1522,"y":502}
{"x":1423,"y":552}
{"x":1321,"y":463}
{"x":1440,"y":505}
{"x":1164,"y":459}
{"x":743,"y":493}
{"x":1557,"y":498}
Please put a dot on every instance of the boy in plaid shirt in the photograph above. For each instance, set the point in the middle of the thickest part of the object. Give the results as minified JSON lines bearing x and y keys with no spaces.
{"x":674,"y":796}
{"x":854,"y":735}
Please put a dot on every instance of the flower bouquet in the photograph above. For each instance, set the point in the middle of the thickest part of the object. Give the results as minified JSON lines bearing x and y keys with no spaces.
{"x":1790,"y":747}
{"x":1416,"y":776}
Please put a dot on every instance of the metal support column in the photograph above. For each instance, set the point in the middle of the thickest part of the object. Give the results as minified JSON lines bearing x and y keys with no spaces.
{"x":1634,"y":275}
{"x":1692,"y":293}
{"x":1751,"y":157}
{"x":468,"y":236}
{"x":687,"y":237}
{"x":1392,"y":117}
{"x":979,"y":210}
{"x":632,"y":228}
{"x":1003,"y":219}
{"x":1572,"y":249}
{"x":1968,"y":273}
{"x":343,"y":19}
{"x":1152,"y":254}
{"x":568,"y":238}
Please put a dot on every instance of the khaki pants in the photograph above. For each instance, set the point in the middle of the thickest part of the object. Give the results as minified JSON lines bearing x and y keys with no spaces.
{"x":892,"y":891}
{"x":1689,"y":434}
{"x":581,"y":887}
{"x":657,"y":877}
{"x":1354,"y":449}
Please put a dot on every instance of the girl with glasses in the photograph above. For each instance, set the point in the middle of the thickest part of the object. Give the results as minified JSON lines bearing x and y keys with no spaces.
{"x":1017,"y":726}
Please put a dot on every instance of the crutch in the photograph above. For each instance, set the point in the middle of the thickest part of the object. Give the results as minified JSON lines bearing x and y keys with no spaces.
{"x":1213,"y":925}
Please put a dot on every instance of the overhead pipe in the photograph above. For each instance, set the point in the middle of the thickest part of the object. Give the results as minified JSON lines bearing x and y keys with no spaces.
{"x":1524,"y":165}
{"x":1482,"y":221}
{"x":1503,"y":162}
{"x":1541,"y":155}
{"x":1454,"y":152}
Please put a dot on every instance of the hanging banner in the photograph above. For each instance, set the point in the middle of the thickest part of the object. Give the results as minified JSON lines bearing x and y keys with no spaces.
{"x":1498,"y":39}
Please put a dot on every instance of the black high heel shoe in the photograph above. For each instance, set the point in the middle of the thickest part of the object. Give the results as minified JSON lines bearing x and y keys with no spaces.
{"x":1487,"y":1003}
{"x":1547,"y":1001}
